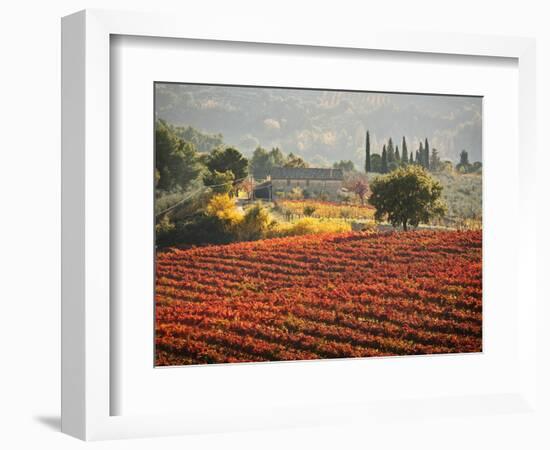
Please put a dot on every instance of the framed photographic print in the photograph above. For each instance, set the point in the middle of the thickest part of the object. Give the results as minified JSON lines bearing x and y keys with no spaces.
{"x":276,"y":229}
{"x":278,"y":255}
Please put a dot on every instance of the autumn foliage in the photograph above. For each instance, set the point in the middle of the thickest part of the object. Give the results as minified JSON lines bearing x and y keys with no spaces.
{"x":327,"y":210}
{"x":335,"y":295}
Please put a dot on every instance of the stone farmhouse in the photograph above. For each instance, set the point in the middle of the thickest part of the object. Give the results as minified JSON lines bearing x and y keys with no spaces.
{"x":315,"y":181}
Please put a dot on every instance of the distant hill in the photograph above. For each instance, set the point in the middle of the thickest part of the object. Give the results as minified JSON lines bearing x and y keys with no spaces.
{"x":326,"y":126}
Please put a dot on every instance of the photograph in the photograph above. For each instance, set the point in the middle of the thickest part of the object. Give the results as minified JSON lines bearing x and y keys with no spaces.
{"x":297,"y":224}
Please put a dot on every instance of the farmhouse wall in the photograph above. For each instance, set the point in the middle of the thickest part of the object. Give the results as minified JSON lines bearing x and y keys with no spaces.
{"x":314,"y":187}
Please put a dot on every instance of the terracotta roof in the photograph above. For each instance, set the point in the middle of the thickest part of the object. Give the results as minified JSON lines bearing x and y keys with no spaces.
{"x":310,"y":173}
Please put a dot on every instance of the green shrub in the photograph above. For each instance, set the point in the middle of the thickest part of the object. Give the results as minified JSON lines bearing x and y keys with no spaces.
{"x":164,"y":229}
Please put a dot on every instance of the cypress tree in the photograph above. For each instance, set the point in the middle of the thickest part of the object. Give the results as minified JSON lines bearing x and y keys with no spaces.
{"x":464,"y":158}
{"x":404,"y":156}
{"x":384,"y":160}
{"x":397,"y":156}
{"x":420,"y":158}
{"x":411,"y":159}
{"x":367,"y":154}
{"x":427,"y":154}
{"x":390,"y":151}
{"x":435,"y":161}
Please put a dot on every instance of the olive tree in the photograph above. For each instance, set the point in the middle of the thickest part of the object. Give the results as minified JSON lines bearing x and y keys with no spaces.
{"x":407,"y":196}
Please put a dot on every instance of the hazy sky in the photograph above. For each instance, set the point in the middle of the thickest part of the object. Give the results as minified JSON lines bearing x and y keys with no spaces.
{"x":324,"y":126}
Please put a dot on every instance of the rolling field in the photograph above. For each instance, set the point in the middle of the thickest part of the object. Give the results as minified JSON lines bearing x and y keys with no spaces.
{"x":320,"y":296}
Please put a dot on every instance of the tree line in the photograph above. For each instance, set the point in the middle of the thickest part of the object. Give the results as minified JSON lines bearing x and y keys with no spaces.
{"x":179,"y":166}
{"x":187,"y":180}
{"x":263,"y":161}
{"x":392,"y":158}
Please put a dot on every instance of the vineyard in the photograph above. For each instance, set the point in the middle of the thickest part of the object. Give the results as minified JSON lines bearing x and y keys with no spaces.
{"x":338,"y":295}
{"x":326,"y":210}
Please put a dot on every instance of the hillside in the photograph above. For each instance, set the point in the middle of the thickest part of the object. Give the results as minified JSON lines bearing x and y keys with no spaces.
{"x":323,"y":126}
{"x":463,"y":195}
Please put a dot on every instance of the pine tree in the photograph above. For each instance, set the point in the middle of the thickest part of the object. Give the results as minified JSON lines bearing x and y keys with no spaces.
{"x":427,"y":154}
{"x":390,"y":151}
{"x":367,"y":154}
{"x":404,"y":155}
{"x":384,"y":160}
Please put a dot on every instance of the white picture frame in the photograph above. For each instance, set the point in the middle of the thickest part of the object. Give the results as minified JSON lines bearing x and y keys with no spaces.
{"x":86,"y":220}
